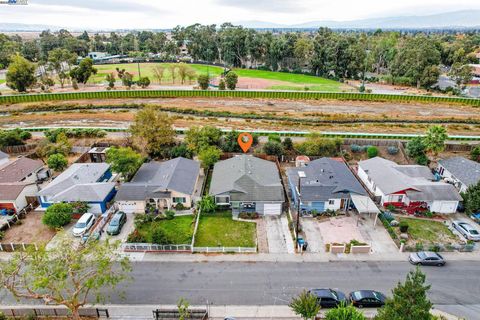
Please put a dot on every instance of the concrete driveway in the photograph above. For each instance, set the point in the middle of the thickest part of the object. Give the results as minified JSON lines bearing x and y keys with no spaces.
{"x":126,"y":230}
{"x":311,"y":229}
{"x":278,"y":235}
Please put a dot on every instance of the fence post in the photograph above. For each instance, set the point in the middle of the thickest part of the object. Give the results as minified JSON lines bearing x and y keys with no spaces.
{"x":13,"y":247}
{"x":23,"y":246}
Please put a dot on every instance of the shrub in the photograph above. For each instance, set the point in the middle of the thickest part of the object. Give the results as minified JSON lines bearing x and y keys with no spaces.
{"x":372,"y":152}
{"x":419,"y":246}
{"x":159,"y":236}
{"x":434,"y":248}
{"x":403,"y":226}
{"x":179,"y":206}
{"x":136,"y":237}
{"x":143,"y":82}
{"x":344,"y":312}
{"x":170,"y":214}
{"x":355,"y":148}
{"x":391,"y":208}
{"x":142,"y":219}
{"x":392,"y":150}
{"x":221,"y":85}
{"x":58,"y":215}
{"x":248,"y":215}
{"x":203,"y":81}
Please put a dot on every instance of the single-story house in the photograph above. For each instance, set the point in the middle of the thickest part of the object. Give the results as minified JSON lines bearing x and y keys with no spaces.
{"x":407,"y":186}
{"x":459,"y":171}
{"x":85,"y":182}
{"x":161,"y":184}
{"x":18,"y":181}
{"x":248,"y":184}
{"x":23,"y":169}
{"x":327,"y":185}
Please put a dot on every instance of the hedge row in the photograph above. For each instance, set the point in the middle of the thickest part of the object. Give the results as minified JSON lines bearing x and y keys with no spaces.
{"x":234,"y":94}
{"x":345,"y":135}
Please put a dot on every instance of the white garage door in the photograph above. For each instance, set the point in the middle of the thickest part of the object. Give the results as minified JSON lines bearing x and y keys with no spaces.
{"x":448,"y":207}
{"x":272,"y":209}
{"x":131,"y":206}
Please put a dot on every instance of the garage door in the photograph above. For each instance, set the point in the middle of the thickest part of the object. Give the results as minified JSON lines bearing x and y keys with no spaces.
{"x":448,"y":207}
{"x":272,"y":209}
{"x":318,"y":206}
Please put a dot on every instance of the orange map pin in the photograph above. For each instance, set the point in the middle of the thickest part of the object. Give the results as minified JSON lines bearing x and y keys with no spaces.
{"x":245,"y":141}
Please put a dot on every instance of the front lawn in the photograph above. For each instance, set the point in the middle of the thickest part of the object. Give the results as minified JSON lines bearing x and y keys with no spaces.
{"x":220,"y":230}
{"x":179,"y":230}
{"x":427,"y":231}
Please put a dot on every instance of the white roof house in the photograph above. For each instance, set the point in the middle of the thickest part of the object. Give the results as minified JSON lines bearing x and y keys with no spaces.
{"x":406,"y":185}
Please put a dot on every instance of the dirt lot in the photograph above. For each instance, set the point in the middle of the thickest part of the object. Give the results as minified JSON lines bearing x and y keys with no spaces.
{"x":30,"y":231}
{"x":299,"y":108}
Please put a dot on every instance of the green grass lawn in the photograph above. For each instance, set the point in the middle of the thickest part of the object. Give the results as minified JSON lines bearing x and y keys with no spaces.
{"x":2,"y":81}
{"x":426,"y":231}
{"x":298,"y":81}
{"x":146,"y":69}
{"x":179,"y":230}
{"x":292,"y":81}
{"x":220,"y":230}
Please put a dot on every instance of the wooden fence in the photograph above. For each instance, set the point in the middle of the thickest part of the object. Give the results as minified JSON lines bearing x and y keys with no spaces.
{"x":150,"y":247}
{"x":25,"y":148}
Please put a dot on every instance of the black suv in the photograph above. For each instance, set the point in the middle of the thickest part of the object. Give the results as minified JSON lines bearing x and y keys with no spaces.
{"x":329,"y":298}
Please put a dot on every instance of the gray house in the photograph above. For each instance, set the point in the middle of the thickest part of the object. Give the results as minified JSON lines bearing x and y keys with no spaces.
{"x":459,"y":171}
{"x":328,"y":185}
{"x":248,"y":184}
{"x":162,"y":185}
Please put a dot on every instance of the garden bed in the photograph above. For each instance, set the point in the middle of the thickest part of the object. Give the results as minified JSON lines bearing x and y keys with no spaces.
{"x":220,"y":230}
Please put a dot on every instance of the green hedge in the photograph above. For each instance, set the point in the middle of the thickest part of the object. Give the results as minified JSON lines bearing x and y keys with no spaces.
{"x":6,"y":99}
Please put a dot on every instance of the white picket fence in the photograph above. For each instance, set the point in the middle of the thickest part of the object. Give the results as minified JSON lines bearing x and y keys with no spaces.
{"x":149,"y":247}
{"x":224,"y":249}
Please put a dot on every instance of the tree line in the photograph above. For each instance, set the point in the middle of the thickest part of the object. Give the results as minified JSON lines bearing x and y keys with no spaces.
{"x":395,"y":57}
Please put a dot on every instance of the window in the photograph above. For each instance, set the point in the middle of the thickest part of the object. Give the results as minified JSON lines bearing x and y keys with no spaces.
{"x":331,"y":202}
{"x":179,"y":199}
{"x":222,"y":199}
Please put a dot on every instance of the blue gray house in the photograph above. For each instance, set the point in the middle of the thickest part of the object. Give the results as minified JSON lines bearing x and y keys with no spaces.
{"x":328,"y":184}
{"x":86,"y":182}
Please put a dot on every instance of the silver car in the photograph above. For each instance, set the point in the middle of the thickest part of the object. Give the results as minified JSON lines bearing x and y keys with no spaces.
{"x":426,"y":258}
{"x":469,"y":232}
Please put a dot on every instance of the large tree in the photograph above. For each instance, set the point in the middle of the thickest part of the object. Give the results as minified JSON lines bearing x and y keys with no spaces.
{"x":60,"y":61}
{"x":20,"y":74}
{"x":124,"y":161}
{"x":409,"y":301}
{"x":153,"y":130}
{"x":198,"y":138}
{"x":471,"y":199}
{"x":83,"y":71}
{"x":435,"y":139}
{"x":209,"y":156}
{"x":67,"y":274}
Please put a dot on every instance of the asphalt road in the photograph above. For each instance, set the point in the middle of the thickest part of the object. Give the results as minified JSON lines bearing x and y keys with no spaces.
{"x":269,"y":283}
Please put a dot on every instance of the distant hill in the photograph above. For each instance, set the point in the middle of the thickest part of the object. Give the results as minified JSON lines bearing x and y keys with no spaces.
{"x":26,"y":27}
{"x":457,"y":19}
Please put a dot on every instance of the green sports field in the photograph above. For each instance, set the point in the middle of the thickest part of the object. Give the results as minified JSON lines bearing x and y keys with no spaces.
{"x":279,"y":80}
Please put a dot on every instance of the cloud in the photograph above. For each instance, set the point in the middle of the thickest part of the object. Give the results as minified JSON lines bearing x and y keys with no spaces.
{"x":283,"y":6}
{"x":104,"y":5}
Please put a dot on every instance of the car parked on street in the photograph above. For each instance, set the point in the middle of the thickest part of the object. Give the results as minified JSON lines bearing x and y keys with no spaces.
{"x":329,"y":298}
{"x":367,"y":298}
{"x":467,"y":230}
{"x":86,"y":221}
{"x":116,"y":224}
{"x":426,"y":258}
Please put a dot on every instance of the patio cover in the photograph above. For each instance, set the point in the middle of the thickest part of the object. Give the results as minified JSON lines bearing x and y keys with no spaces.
{"x":364,"y":204}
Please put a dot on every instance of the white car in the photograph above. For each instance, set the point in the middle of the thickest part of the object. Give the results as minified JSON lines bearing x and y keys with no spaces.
{"x":466,"y":230}
{"x":83,"y":224}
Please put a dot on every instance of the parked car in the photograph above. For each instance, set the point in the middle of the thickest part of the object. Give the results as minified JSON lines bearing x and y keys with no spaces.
{"x":466,"y":230}
{"x":329,"y":298}
{"x":427,"y":258}
{"x":367,"y":298}
{"x":86,"y":221}
{"x":116,"y":224}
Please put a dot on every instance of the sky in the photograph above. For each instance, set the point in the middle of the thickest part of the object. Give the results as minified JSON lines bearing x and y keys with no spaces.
{"x":156,"y":14}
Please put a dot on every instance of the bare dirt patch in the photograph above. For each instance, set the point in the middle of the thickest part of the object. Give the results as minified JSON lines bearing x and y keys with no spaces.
{"x":32,"y":230}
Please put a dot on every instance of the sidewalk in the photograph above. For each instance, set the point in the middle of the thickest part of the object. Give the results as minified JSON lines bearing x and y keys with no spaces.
{"x":282,"y":257}
{"x":140,"y":312}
